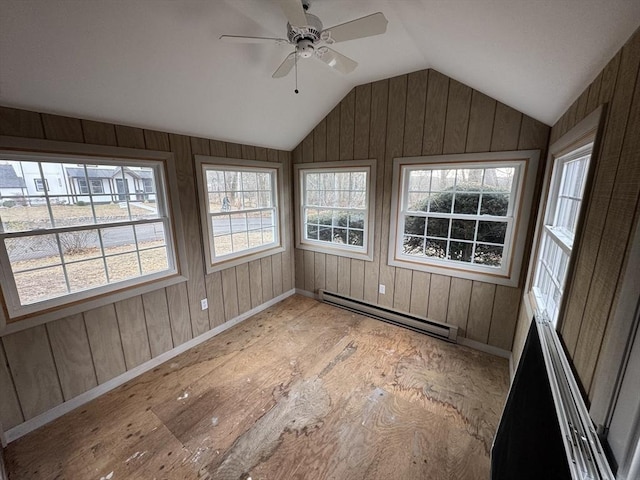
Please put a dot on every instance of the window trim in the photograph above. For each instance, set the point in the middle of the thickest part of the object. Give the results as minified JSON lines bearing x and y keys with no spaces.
{"x":585,"y":132}
{"x":365,"y":253}
{"x":549,"y":231}
{"x":82,"y":301}
{"x":515,"y":243}
{"x":255,"y":253}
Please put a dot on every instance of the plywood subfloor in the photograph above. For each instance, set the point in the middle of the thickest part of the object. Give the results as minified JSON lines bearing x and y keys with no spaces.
{"x":301,"y":391}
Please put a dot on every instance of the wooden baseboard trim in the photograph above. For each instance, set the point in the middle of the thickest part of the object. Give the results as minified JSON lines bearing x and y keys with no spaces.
{"x":483,"y":347}
{"x":59,"y":410}
{"x":307,"y":293}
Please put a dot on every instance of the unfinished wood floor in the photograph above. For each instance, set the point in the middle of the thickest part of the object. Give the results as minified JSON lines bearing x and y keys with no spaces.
{"x":302,"y":390}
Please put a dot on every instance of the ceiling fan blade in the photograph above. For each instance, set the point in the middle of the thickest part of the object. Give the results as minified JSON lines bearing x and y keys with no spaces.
{"x":294,"y":12}
{"x":286,"y":66}
{"x":336,"y":60}
{"x":373,"y":24}
{"x":240,"y":39}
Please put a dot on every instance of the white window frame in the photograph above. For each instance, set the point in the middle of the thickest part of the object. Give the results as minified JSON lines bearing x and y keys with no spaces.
{"x":361,"y":253}
{"x":613,"y":394}
{"x":586,"y":132}
{"x":554,"y":237}
{"x":17,"y":317}
{"x":213,"y":263}
{"x":508,"y":274}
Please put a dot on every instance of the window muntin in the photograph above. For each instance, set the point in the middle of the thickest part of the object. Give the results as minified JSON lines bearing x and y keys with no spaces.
{"x":241,"y":209}
{"x":335,"y":207}
{"x":65,"y":244}
{"x":565,"y":197}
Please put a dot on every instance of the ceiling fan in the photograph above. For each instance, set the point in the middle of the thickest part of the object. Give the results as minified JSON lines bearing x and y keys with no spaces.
{"x":305,"y":32}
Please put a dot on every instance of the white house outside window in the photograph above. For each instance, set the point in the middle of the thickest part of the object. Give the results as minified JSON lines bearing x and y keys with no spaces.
{"x":459,"y":214}
{"x":62,"y":244}
{"x":240,"y":210}
{"x":335,"y":207}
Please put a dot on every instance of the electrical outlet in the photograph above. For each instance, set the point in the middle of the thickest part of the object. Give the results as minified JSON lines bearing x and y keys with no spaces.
{"x":204,"y":303}
{"x":382,"y":289}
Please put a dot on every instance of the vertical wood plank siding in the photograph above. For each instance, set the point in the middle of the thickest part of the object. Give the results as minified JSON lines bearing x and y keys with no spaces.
{"x":422,"y":113}
{"x":611,"y":212}
{"x":43,"y":366}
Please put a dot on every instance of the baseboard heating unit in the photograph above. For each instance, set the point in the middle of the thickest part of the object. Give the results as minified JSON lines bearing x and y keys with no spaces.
{"x":413,"y":322}
{"x":545,"y":431}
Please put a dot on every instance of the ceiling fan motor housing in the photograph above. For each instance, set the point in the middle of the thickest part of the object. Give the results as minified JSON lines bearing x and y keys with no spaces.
{"x":311,"y":31}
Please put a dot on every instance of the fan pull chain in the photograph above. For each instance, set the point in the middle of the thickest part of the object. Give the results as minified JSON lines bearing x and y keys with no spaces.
{"x":295,"y":62}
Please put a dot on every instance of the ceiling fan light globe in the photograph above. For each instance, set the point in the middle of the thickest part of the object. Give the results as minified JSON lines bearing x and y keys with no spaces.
{"x":305,"y":48}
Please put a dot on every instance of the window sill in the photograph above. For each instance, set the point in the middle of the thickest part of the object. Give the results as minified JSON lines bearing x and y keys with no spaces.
{"x":12,"y":325}
{"x":239,"y":260}
{"x":338,"y":251}
{"x":497,"y":277}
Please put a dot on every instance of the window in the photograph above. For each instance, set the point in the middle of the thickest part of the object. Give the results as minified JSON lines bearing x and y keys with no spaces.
{"x":40,"y":184}
{"x":96,"y":186}
{"x":335,"y":207}
{"x":240,"y":210}
{"x":148,"y":185}
{"x":83,"y":187}
{"x":564,"y":200}
{"x":569,"y":162}
{"x":59,"y":249}
{"x":459,"y":214}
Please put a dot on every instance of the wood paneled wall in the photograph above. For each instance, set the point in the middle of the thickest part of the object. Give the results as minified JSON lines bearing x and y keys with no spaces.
{"x":43,"y":366}
{"x":611,"y":209}
{"x":422,"y":113}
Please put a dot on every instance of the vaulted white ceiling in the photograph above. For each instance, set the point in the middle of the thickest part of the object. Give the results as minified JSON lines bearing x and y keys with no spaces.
{"x":159,"y":64}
